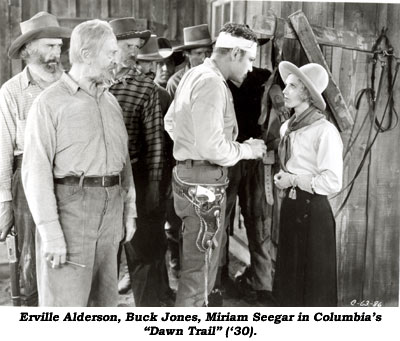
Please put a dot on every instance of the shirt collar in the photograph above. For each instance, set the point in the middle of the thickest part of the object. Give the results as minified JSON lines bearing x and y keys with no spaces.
{"x":26,"y":78}
{"x":213,"y":66}
{"x":70,"y":83}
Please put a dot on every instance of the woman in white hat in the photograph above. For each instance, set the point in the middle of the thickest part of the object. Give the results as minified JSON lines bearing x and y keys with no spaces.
{"x":310,"y":154}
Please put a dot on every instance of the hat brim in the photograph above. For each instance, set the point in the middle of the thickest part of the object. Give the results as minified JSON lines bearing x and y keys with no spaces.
{"x":145,"y":35}
{"x":191,"y":46}
{"x":47,"y":32}
{"x":154,"y":57}
{"x":262,"y":41}
{"x":287,"y":68}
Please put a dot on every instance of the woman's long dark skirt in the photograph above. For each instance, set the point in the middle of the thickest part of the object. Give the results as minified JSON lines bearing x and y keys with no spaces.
{"x":306,"y":261}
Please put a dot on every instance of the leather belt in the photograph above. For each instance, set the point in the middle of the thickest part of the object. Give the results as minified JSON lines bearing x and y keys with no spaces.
{"x":90,"y":181}
{"x":183,"y":188}
{"x":191,"y":163}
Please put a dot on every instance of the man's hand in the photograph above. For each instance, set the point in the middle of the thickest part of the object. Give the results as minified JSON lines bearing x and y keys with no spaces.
{"x":6,"y":219}
{"x":258,"y":147}
{"x":284,"y":180}
{"x":130,"y":228}
{"x":55,"y":252}
{"x":152,"y":197}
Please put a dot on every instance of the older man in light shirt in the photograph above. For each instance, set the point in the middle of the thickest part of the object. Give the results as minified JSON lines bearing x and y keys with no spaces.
{"x":77,"y":175}
{"x":202,"y":123}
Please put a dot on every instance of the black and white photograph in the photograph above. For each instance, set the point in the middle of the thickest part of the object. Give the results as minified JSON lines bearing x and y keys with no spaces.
{"x":240,"y":158}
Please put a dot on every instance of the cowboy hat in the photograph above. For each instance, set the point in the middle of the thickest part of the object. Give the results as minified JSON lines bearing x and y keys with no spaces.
{"x":41,"y":25}
{"x":314,"y":77}
{"x":151,"y":52}
{"x":125,"y":28}
{"x":195,"y":37}
{"x":164,"y":46}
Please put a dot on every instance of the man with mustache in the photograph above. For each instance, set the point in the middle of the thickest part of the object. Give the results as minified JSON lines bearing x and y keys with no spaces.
{"x":138,"y":97}
{"x":77,"y":175}
{"x":39,"y":46}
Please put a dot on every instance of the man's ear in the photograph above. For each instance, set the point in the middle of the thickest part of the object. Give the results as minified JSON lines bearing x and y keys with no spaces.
{"x":86,"y":56}
{"x":235,"y":53}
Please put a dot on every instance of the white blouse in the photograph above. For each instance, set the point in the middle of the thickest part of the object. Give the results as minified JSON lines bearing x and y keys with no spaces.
{"x":317,"y":150}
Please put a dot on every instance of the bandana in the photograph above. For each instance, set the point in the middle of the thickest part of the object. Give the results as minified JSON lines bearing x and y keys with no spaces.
{"x":306,"y":118}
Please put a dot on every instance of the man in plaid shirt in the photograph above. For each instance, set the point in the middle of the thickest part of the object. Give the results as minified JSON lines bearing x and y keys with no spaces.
{"x":138,"y":97}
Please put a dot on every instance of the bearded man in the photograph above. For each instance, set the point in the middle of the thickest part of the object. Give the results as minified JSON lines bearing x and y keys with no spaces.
{"x":39,"y":46}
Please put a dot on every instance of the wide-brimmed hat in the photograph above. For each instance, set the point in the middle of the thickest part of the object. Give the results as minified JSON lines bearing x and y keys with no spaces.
{"x":41,"y":25}
{"x":195,"y":37}
{"x":125,"y":28}
{"x":151,"y":52}
{"x":164,"y":46}
{"x":314,"y":77}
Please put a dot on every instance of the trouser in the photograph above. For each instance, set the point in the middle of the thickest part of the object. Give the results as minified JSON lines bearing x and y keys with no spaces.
{"x":145,"y":254}
{"x":174,"y":226}
{"x":306,"y":262}
{"x":25,"y":228}
{"x":246,"y":180}
{"x":91,"y":220}
{"x":192,"y":283}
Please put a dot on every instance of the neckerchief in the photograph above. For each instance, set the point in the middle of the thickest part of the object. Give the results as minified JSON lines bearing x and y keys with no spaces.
{"x":306,"y":118}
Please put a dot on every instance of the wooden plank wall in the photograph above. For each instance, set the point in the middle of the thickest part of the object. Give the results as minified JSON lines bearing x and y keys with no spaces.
{"x":368,"y":227}
{"x":164,"y":17}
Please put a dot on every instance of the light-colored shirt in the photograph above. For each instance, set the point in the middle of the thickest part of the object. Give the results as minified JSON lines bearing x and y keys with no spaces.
{"x":201,"y":120}
{"x":70,"y":132}
{"x":317,"y":150}
{"x":175,"y":79}
{"x":16,"y":98}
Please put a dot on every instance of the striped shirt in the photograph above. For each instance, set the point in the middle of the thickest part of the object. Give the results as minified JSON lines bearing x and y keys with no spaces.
{"x":138,"y":96}
{"x":16,"y":98}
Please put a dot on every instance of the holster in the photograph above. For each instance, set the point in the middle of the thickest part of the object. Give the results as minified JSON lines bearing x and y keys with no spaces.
{"x":208,"y":211}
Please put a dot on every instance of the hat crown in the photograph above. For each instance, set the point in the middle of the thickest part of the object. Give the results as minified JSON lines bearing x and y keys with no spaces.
{"x":196,"y":34}
{"x":123,"y":25}
{"x":317,"y":75}
{"x":38,"y":21}
{"x":151,"y":46}
{"x":164,"y":43}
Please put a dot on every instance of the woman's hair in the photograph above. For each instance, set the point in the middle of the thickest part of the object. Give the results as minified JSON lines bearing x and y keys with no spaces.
{"x":305,"y":94}
{"x":89,"y":35}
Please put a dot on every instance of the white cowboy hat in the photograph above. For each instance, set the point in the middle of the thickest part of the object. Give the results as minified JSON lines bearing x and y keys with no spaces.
{"x":314,"y":77}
